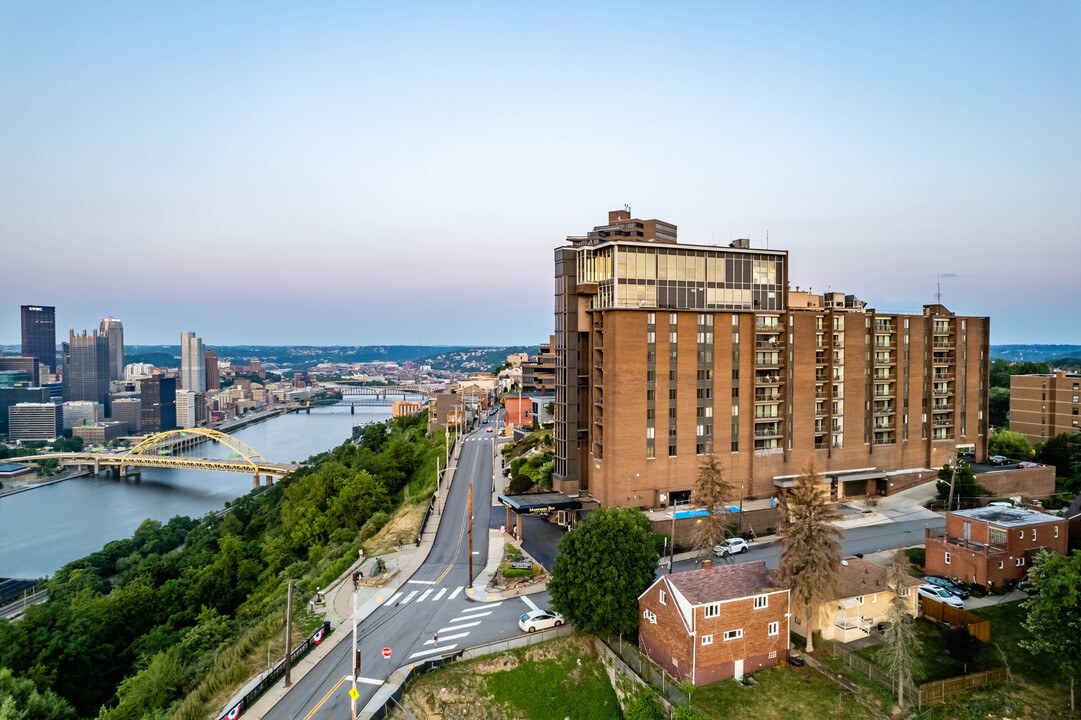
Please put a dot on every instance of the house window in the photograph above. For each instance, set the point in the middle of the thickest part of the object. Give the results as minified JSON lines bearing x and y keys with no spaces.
{"x":761,"y":601}
{"x":947,"y":558}
{"x":1056,"y":531}
{"x":1034,"y":533}
{"x":904,"y":592}
{"x":774,"y":628}
{"x":1020,"y":534}
{"x":713,"y":610}
{"x":998,"y":536}
{"x":1019,"y":562}
{"x":651,"y":616}
{"x":707,"y":639}
{"x":999,"y":564}
{"x":772,"y":654}
{"x":859,"y":599}
{"x":733,"y":634}
{"x":664,"y":598}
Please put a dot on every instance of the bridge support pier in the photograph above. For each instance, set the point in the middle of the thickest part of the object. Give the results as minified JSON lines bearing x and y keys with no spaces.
{"x":352,"y":409}
{"x":255,"y":481}
{"x":97,"y":467}
{"x":307,"y":411}
{"x":268,"y":480}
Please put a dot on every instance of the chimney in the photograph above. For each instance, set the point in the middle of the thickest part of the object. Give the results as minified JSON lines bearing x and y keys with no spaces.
{"x":707,"y":564}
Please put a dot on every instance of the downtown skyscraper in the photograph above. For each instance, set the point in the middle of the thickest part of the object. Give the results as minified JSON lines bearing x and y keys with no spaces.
{"x":113,"y":329}
{"x":39,"y":334}
{"x":86,"y":368}
{"x":192,"y":362}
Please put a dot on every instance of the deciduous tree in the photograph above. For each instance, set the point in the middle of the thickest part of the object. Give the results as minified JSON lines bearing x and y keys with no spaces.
{"x":604,"y":564}
{"x":1012,"y":444}
{"x":811,"y":553}
{"x":1054,"y":612}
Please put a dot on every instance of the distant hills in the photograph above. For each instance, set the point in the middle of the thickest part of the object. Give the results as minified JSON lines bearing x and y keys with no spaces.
{"x":1066,"y":354}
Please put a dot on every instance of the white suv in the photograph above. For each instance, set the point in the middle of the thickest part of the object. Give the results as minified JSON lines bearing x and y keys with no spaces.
{"x":730,"y":546}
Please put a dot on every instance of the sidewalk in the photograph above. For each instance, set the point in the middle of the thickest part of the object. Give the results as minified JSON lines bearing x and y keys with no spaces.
{"x":339,"y":604}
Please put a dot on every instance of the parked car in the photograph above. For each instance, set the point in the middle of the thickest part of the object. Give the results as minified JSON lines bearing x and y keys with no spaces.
{"x":489,"y":430}
{"x":947,"y":585}
{"x":936,"y":593}
{"x":1027,"y":464}
{"x":731,"y":546}
{"x":999,"y":460}
{"x":539,"y":620}
{"x":506,"y":472}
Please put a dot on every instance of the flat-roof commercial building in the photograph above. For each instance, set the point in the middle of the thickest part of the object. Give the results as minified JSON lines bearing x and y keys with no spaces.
{"x":86,"y":368}
{"x":539,"y":372}
{"x":158,"y":403}
{"x":101,"y":433}
{"x":35,"y":421}
{"x":129,"y":410}
{"x":26,"y":365}
{"x":16,"y":395}
{"x":666,"y":353}
{"x":1043,"y":406}
{"x":82,"y":412}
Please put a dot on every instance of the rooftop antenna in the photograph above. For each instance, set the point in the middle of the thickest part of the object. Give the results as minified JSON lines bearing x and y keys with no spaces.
{"x":938,"y":294}
{"x":627,"y":208}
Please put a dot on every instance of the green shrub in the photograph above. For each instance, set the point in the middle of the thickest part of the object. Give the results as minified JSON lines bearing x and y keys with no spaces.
{"x":514,"y":552}
{"x":917,"y":556}
{"x":375,"y":524}
{"x":644,"y":707}
{"x":518,"y":572}
{"x":519,"y":484}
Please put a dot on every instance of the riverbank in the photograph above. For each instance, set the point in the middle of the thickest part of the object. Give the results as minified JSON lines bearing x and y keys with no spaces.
{"x":11,"y":488}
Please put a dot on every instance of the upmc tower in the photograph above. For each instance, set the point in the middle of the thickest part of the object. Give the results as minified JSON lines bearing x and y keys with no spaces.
{"x":39,"y":334}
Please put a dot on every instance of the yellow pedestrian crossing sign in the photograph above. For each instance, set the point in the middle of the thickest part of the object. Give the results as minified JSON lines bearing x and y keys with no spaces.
{"x":353,"y":693}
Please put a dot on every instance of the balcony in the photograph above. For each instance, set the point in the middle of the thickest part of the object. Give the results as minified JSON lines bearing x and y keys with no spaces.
{"x":943,"y":392}
{"x":947,"y":407}
{"x":940,"y":535}
{"x":882,"y":426}
{"x":768,"y":398}
{"x":762,"y":328}
{"x":942,"y":329}
{"x":884,"y":360}
{"x":766,"y":418}
{"x":856,"y":623}
{"x":942,"y":376}
{"x":943,"y":358}
{"x":883,"y":393}
{"x":883,"y":328}
{"x":884,"y":440}
{"x":886,"y":411}
{"x":890,"y":376}
{"x":941,"y":422}
{"x":821,"y":359}
{"x":878,"y":345}
{"x":821,"y":412}
{"x":767,"y":380}
{"x":820,"y":394}
{"x":774,"y":432}
{"x":941,"y":345}
{"x":767,"y":345}
{"x":767,"y":363}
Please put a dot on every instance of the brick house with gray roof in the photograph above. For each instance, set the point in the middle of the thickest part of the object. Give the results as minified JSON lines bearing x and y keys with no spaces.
{"x":715,"y":623}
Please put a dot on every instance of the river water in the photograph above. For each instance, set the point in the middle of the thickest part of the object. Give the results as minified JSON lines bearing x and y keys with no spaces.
{"x":43,"y":529}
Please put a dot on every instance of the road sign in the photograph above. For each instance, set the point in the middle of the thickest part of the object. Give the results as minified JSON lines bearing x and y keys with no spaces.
{"x":353,"y":693}
{"x":386,"y":652}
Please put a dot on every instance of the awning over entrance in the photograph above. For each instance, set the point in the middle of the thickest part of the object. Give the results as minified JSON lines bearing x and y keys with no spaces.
{"x":850,"y":602}
{"x":530,"y":502}
{"x":860,"y":476}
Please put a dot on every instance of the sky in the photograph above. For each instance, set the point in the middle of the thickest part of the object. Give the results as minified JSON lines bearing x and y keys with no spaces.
{"x":400,"y":173}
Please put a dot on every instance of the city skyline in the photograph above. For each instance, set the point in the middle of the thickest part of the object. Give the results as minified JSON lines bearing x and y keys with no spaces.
{"x":381,"y":176}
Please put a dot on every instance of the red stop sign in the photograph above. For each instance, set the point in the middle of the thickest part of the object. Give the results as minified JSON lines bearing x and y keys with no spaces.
{"x":386,"y":652}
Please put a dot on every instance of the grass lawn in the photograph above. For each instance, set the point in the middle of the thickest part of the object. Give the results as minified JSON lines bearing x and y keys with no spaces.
{"x":552,"y":680}
{"x":937,"y":664}
{"x":781,"y":694}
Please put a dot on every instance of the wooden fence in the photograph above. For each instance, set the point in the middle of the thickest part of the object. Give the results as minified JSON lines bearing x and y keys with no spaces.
{"x":829,"y":648}
{"x":936,"y":692}
{"x":978,"y":627}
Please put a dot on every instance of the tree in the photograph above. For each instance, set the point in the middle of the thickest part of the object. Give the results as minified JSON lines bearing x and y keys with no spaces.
{"x":604,"y":564}
{"x":965,"y":487}
{"x":961,"y":645}
{"x":1063,"y":451}
{"x":1054,"y":612}
{"x":713,"y":493}
{"x":1012,"y":444}
{"x":901,"y":648}
{"x":21,"y":700}
{"x":999,"y":407}
{"x":811,"y":553}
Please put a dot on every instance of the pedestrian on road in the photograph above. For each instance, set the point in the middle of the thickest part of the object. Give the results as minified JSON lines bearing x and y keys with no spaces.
{"x":435,"y":638}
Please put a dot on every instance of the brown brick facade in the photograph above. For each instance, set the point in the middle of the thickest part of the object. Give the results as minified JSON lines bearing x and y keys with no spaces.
{"x":679,"y":648}
{"x":991,"y":555}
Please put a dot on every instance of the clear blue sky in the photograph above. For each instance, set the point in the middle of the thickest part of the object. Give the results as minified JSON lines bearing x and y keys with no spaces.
{"x":360,"y":173}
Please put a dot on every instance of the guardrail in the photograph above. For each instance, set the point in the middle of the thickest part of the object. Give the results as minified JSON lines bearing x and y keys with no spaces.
{"x":276,"y":673}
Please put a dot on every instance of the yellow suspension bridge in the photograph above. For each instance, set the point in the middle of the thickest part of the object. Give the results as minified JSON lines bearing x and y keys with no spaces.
{"x":156,"y":451}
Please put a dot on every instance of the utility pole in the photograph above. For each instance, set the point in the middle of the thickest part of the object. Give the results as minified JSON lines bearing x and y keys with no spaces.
{"x":356,"y":652}
{"x":672,"y":557}
{"x":288,"y":634}
{"x":438,"y":487}
{"x":953,"y":477}
{"x":469,"y":519}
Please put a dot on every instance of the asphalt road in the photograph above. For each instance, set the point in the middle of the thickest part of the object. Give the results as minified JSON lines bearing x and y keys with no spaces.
{"x":432,"y":600}
{"x":866,"y":540}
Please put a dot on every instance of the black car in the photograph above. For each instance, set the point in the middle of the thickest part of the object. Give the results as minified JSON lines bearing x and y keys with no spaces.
{"x":947,"y":586}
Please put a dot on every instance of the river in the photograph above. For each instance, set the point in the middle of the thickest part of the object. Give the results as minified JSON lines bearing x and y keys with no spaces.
{"x":43,"y":529}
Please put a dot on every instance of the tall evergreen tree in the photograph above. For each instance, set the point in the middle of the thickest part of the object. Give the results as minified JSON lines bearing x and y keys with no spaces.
{"x":901,"y":647}
{"x":1054,"y":612}
{"x":713,"y":493}
{"x":811,"y":553}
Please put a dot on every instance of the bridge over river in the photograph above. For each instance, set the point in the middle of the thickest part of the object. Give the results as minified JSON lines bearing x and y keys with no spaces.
{"x":156,"y":451}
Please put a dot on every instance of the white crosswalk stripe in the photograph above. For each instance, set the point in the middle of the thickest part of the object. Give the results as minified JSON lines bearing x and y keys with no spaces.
{"x":449,"y":637}
{"x":532,"y":605}
{"x":455,"y":593}
{"x":439,"y":594}
{"x":485,"y":606}
{"x":459,"y":627}
{"x":427,"y":592}
{"x":409,"y":597}
{"x":463,"y":616}
{"x":393,"y":599}
{"x":433,"y":651}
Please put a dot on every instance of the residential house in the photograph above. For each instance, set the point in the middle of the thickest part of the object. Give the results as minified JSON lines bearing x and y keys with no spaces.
{"x":994,"y":545}
{"x":862,"y":601}
{"x":706,"y":625}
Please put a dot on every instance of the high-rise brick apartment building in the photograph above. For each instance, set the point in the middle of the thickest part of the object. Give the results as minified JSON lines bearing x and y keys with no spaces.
{"x":667,"y":352}
{"x":1043,"y":406}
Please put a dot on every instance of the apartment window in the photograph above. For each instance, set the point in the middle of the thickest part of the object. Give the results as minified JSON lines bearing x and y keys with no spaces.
{"x":1020,"y":534}
{"x":947,"y":558}
{"x":774,"y":628}
{"x":651,"y":319}
{"x":672,"y":337}
{"x":733,"y":634}
{"x":761,"y":601}
{"x":1056,"y":531}
{"x":651,"y":337}
{"x":999,"y":564}
{"x":713,"y":610}
{"x":664,"y":598}
{"x":1020,"y":561}
{"x":671,"y":393}
{"x":672,"y":319}
{"x":651,"y":616}
{"x":1033,"y":534}
{"x":707,"y":639}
